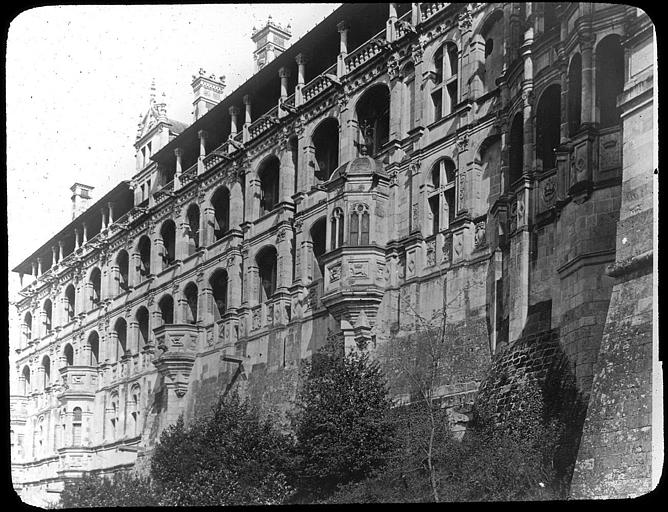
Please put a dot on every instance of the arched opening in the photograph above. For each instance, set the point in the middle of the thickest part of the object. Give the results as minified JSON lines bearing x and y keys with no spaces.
{"x":70,"y":297}
{"x":516,"y":149}
{"x":144,"y":250}
{"x":68,"y":354}
{"x":142,"y":318}
{"x":121,"y":330}
{"x":408,"y":98}
{"x":548,"y":123}
{"x":326,"y":144}
{"x":193,"y":229}
{"x":318,"y":236}
{"x":48,"y":310}
{"x":166,"y":307}
{"x":337,"y":228}
{"x":46,"y":365}
{"x":76,"y":426}
{"x":190,"y":293}
{"x":574,"y":94}
{"x":220,"y":201}
{"x":168,"y":235}
{"x":373,"y":118}
{"x":26,"y":381}
{"x":445,"y":91}
{"x":218,"y":282}
{"x":609,"y":79}
{"x":113,"y":416}
{"x":94,"y":349}
{"x":266,"y":261}
{"x":359,"y":225}
{"x":27,"y":327}
{"x":95,"y":285}
{"x":122,"y":260}
{"x":268,"y":173}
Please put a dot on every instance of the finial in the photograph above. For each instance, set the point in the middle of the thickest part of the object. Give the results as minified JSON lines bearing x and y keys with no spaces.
{"x":153,"y":91}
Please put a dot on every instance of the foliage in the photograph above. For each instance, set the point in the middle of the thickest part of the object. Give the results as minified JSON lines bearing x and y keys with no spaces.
{"x":122,"y":490}
{"x":342,"y":423}
{"x":230,"y":457}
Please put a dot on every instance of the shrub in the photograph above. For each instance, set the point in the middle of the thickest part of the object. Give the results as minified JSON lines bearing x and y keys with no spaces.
{"x":124,"y":489}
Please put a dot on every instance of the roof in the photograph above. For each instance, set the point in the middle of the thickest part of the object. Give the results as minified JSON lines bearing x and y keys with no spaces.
{"x":363,"y":165}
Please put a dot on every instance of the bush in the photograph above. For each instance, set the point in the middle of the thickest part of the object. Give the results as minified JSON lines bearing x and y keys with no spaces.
{"x":342,"y":422}
{"x":122,"y":490}
{"x":230,"y":457}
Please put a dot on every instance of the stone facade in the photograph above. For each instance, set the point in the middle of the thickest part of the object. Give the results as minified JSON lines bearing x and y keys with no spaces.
{"x":453,"y":159}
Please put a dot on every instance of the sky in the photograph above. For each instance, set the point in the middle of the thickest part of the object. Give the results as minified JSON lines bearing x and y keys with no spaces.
{"x":78,"y":79}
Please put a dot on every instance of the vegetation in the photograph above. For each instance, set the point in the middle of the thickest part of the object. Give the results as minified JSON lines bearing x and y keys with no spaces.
{"x":347,"y":444}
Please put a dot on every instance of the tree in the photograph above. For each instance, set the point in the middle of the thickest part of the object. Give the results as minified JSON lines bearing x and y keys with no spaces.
{"x":230,"y":457}
{"x":122,"y":490}
{"x":342,"y":422}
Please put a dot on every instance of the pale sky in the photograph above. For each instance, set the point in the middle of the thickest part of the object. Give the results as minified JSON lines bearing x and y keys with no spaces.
{"x":78,"y":78}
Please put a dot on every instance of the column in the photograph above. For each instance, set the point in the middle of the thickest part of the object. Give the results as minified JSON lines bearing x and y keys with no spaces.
{"x":77,"y":239}
{"x":343,"y":28}
{"x":287,"y":173}
{"x":301,"y":70}
{"x":284,"y":258}
{"x":415,"y":13}
{"x":178,"y":152}
{"x":234,"y":112}
{"x":248,"y":118}
{"x":390,"y":29}
{"x":111,"y":212}
{"x":252,"y":202}
{"x":156,"y":255}
{"x":586,"y":45}
{"x":284,"y":74}
{"x":103,"y":213}
{"x":205,"y":302}
{"x":527,"y":91}
{"x":54,"y":255}
{"x":133,"y":272}
{"x":203,"y":135}
{"x":396,"y":90}
{"x":85,"y":232}
{"x":114,"y":280}
{"x":60,"y":251}
{"x":236,"y":205}
{"x":39,"y":266}
{"x":234,"y":284}
{"x":208,"y":221}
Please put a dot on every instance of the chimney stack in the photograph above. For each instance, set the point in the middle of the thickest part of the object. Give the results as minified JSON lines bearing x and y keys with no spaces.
{"x":207,"y":91}
{"x":81,"y":198}
{"x":270,"y":41}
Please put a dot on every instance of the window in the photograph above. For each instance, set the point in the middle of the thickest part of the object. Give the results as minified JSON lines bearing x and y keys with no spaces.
{"x":168,"y":234}
{"x":269,"y":180}
{"x":221,"y":212}
{"x":25,"y":381}
{"x":266,"y":262}
{"x":144,"y":250}
{"x":190,"y":294}
{"x":373,"y":118}
{"x":574,"y":94}
{"x":166,"y":307}
{"x":445,"y":92}
{"x":76,"y":426}
{"x":122,"y":260}
{"x":326,"y":144}
{"x":113,"y":417}
{"x":516,"y":149}
{"x":609,"y":80}
{"x":47,"y":316}
{"x":318,"y":235}
{"x":46,"y":366}
{"x":489,"y":47}
{"x":121,"y":330}
{"x":134,"y":407}
{"x":193,"y":229}
{"x":142,"y":317}
{"x":68,"y":354}
{"x":27,"y":327}
{"x":441,"y":199}
{"x":548,"y":125}
{"x":336,"y":228}
{"x":492,"y":34}
{"x":95,"y":285}
{"x":218,"y":284}
{"x":359,"y":225}
{"x":94,"y":349}
{"x":69,"y":302}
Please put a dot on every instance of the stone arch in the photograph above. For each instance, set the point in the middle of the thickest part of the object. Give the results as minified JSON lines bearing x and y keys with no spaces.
{"x":192,"y":219}
{"x":122,"y":260}
{"x":268,"y":174}
{"x":191,"y":295}
{"x":548,"y":124}
{"x":143,"y":319}
{"x":219,"y":283}
{"x":121,"y":330}
{"x":25,"y":380}
{"x":93,"y":344}
{"x":325,"y":139}
{"x":143,"y":250}
{"x":610,"y":77}
{"x":372,"y":113}
{"x":168,"y":236}
{"x":220,"y":202}
{"x":68,"y":354}
{"x":166,"y":309}
{"x":95,"y":285}
{"x":574,"y":85}
{"x":318,"y":235}
{"x":70,"y":302}
{"x":266,"y":259}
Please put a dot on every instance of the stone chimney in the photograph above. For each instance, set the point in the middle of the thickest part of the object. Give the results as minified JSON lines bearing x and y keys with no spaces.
{"x":207,"y":92}
{"x":81,"y":198}
{"x":270,"y":41}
